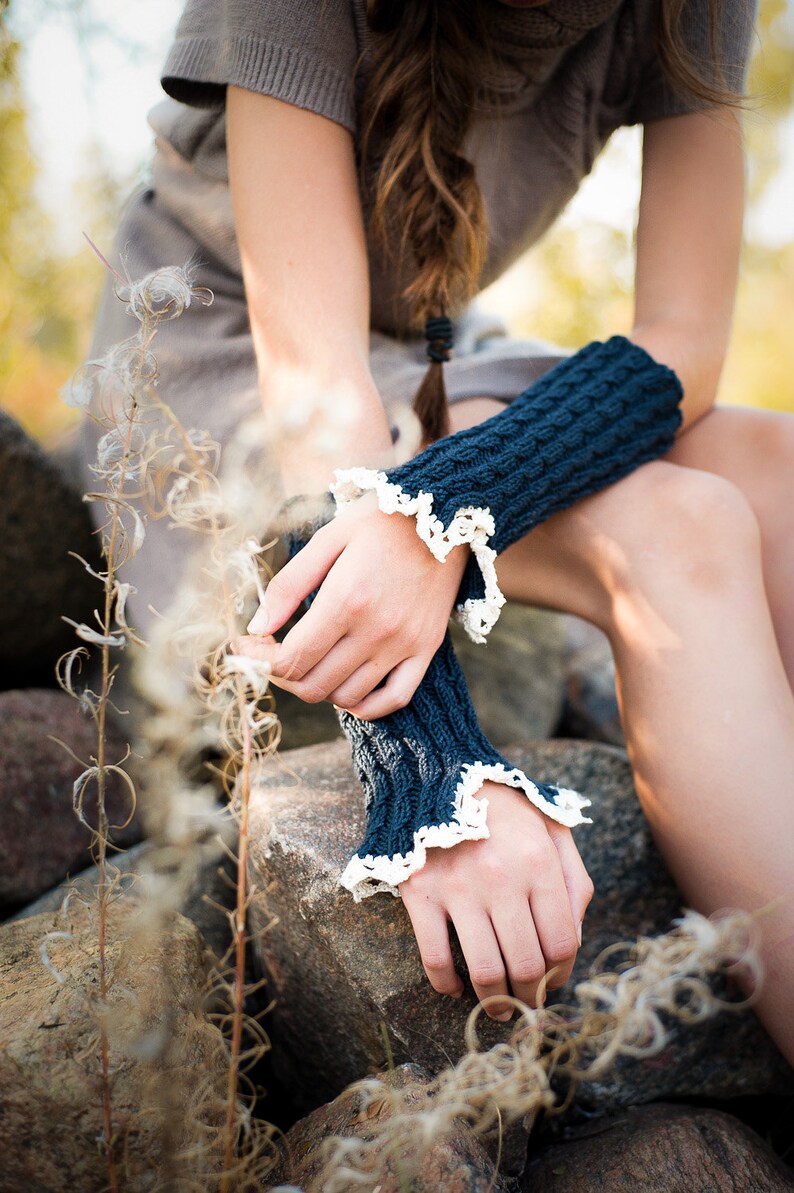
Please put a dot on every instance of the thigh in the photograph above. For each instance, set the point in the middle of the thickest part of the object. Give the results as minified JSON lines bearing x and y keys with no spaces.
{"x":560,"y":564}
{"x":754,"y":449}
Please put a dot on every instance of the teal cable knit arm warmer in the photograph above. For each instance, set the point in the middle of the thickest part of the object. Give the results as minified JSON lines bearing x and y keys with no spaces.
{"x":588,"y":422}
{"x":420,"y":768}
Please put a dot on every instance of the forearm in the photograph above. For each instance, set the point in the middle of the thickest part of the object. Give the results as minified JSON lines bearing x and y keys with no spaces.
{"x":421,"y":768}
{"x":302,"y":247}
{"x":320,"y":419}
{"x":696,"y":353}
{"x":589,"y":421}
{"x":689,"y":239}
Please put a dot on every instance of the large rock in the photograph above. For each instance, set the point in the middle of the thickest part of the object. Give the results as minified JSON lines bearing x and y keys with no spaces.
{"x":206,"y":901}
{"x":458,"y":1164}
{"x":339,"y":970}
{"x":42,"y":518}
{"x":661,"y":1149}
{"x":590,"y":709}
{"x":516,"y":680}
{"x":51,"y":1107}
{"x":41,"y":838}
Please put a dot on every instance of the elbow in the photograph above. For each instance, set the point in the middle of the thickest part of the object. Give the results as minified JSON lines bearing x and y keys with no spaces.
{"x":695,"y":349}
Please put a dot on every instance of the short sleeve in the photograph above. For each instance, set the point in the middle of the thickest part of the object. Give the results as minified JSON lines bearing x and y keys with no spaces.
{"x":301,"y":51}
{"x":733,"y":36}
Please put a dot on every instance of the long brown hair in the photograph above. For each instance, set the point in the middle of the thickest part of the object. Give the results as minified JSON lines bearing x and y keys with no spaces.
{"x":426,"y":78}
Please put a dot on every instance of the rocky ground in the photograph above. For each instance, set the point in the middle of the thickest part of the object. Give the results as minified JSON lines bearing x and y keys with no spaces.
{"x":345,"y":993}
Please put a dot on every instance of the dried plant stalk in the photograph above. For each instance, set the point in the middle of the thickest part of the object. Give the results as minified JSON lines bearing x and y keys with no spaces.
{"x":149,"y":466}
{"x":122,"y":536}
{"x":208,"y":699}
{"x":617,"y":1013}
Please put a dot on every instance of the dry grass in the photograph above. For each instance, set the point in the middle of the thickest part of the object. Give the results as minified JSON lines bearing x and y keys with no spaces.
{"x":205,"y":699}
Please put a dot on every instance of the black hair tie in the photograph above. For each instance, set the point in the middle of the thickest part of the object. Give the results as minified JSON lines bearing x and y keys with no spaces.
{"x":440,"y":338}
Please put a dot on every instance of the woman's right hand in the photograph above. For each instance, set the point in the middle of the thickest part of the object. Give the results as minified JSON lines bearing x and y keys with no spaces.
{"x":517,"y":900}
{"x":381,"y":612}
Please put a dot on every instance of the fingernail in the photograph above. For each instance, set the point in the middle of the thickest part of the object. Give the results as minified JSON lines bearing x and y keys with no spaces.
{"x":260,"y":621}
{"x":503,"y":1018}
{"x":579,"y":932}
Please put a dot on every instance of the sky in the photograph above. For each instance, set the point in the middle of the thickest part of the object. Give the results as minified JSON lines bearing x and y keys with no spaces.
{"x":92,"y":99}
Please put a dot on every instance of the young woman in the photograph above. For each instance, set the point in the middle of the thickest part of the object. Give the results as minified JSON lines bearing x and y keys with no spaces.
{"x":385,"y":161}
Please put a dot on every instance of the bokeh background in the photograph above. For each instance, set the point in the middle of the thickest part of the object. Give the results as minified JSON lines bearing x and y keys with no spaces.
{"x":77,"y":78}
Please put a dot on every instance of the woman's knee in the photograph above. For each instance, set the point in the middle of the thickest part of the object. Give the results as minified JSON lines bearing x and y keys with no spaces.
{"x":668,"y":524}
{"x":754,"y":449}
{"x":769,"y":439}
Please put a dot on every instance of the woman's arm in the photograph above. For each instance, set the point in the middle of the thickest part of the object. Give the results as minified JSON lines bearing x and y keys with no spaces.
{"x":302,"y":245}
{"x":299,"y":226}
{"x":608,"y":408}
{"x":688,"y":242}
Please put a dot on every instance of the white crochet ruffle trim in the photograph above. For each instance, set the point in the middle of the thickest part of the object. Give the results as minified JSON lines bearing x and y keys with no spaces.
{"x":369,"y":875}
{"x":471,"y":525}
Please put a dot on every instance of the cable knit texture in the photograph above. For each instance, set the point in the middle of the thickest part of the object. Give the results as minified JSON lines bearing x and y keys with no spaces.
{"x":420,"y":768}
{"x":588,"y":422}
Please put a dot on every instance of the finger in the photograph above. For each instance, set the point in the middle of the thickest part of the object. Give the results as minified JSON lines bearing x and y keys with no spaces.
{"x":551,"y":911}
{"x":396,"y":693}
{"x":254,"y":647}
{"x":578,"y":882}
{"x":520,"y":948}
{"x":484,"y":960}
{"x":334,"y":613}
{"x":359,"y":685}
{"x":341,"y":662}
{"x":430,"y":927}
{"x":297,"y":579}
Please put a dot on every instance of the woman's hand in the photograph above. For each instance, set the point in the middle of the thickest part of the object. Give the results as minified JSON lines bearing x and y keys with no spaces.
{"x":382,"y":610}
{"x":517,"y":900}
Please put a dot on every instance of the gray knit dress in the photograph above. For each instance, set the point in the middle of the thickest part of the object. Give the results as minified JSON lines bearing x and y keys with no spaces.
{"x":569,"y":73}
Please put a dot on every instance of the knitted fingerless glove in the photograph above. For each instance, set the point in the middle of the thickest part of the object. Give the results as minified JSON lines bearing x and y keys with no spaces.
{"x":588,"y":422}
{"x":421,"y":768}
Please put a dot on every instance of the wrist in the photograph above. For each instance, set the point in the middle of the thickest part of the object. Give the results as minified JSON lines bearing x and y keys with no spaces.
{"x":319,"y":420}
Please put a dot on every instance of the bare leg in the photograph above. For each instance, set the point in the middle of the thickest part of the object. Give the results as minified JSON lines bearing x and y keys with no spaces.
{"x":669,"y":563}
{"x":755,"y":450}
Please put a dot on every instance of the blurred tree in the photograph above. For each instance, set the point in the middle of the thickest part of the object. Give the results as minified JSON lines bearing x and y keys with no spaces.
{"x":46,"y":300}
{"x":577,"y":284}
{"x":771,"y":88}
{"x":759,"y":369}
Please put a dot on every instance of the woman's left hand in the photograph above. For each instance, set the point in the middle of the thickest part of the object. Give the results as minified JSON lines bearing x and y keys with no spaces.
{"x":516,"y":899}
{"x":382,"y":610}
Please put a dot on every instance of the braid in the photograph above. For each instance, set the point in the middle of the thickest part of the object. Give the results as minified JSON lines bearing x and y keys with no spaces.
{"x":426,"y":76}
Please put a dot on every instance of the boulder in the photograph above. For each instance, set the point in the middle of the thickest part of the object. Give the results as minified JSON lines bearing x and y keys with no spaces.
{"x":590,"y":709}
{"x":340,"y":972}
{"x":41,"y":838}
{"x":205,"y":903}
{"x":458,"y":1164}
{"x":660,"y":1149}
{"x":165,"y":1057}
{"x":516,"y":682}
{"x":42,"y":518}
{"x":517,"y":678}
